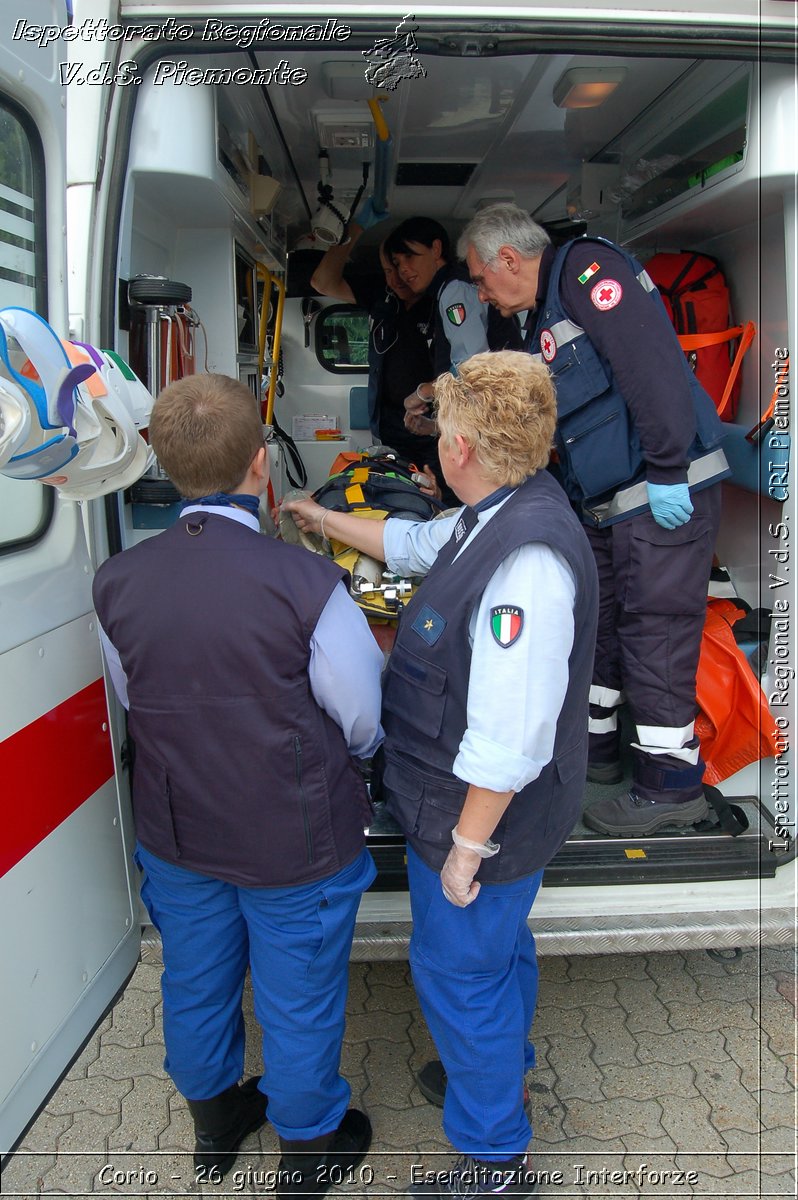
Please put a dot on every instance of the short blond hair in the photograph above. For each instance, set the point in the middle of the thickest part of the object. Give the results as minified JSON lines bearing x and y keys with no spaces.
{"x":205,"y":431}
{"x":503,"y":404}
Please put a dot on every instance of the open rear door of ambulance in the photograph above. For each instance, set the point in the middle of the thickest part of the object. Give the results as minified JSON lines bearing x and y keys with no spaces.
{"x":69,"y":928}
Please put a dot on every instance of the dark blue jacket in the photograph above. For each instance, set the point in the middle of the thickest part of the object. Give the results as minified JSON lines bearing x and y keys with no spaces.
{"x":598,"y":439}
{"x":238,"y":773}
{"x":426,"y":689}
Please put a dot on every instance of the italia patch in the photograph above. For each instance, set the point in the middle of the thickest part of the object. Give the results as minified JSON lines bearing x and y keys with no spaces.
{"x":506,"y":624}
{"x":588,"y":273}
{"x":548,"y":346}
{"x":607,"y":294}
{"x":429,"y":625}
{"x":456,"y":313}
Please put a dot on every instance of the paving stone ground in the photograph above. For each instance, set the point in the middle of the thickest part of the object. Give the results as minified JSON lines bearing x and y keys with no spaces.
{"x":662,"y":1075}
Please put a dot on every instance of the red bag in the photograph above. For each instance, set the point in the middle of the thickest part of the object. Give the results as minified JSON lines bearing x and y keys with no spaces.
{"x":734,"y":724}
{"x":694,"y":291}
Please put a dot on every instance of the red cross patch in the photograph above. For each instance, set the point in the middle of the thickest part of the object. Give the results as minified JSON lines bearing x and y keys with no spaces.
{"x":548,"y":346}
{"x":606,"y":294}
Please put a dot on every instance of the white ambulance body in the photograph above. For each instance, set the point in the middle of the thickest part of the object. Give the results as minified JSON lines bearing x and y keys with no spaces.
{"x":181,"y":140}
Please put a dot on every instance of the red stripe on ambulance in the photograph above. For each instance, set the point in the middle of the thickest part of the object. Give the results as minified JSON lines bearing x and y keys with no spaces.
{"x":56,"y":763}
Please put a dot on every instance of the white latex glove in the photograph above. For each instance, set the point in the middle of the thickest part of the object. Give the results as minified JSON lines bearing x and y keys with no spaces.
{"x":457,"y":876}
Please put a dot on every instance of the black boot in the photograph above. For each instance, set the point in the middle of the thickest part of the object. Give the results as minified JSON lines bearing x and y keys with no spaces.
{"x":222,"y":1122}
{"x":310,"y":1168}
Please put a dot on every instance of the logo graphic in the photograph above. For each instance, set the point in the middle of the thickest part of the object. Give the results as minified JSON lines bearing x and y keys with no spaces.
{"x":588,"y":273}
{"x":429,"y":625}
{"x":606,"y":294}
{"x":548,"y":346}
{"x":506,"y":623}
{"x":394,"y":59}
{"x":456,"y":313}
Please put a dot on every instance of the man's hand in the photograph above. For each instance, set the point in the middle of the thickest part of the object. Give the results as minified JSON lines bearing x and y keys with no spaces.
{"x":670,"y":504}
{"x":418,"y":402}
{"x":425,"y":426}
{"x":457,"y":877}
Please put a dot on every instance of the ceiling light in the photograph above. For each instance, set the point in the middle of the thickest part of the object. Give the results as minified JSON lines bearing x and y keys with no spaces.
{"x":586,"y":87}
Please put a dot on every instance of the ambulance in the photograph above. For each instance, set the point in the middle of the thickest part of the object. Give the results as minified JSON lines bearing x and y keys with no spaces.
{"x":170,"y":172}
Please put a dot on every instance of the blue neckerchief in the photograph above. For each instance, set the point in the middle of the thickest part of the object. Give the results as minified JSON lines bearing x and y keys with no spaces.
{"x":227,"y":500}
{"x":493,"y":499}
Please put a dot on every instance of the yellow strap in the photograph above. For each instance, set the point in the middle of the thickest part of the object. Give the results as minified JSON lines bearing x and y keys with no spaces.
{"x":360,"y":475}
{"x":354,"y":494}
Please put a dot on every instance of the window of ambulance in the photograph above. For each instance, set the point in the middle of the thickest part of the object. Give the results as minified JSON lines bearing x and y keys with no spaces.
{"x":25,"y":508}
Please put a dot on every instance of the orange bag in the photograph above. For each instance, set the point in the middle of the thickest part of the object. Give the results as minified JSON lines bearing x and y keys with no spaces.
{"x":734,"y":724}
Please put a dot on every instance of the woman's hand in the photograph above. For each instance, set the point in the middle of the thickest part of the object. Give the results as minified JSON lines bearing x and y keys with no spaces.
{"x":307,"y":514}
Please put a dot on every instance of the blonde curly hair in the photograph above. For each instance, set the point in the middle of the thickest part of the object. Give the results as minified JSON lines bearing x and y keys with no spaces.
{"x":503,"y":404}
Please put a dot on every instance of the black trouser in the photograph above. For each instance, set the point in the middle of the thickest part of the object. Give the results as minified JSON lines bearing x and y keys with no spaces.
{"x":652,"y":608}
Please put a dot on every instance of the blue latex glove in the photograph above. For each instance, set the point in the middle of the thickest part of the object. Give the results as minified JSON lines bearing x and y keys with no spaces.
{"x":367,"y":216}
{"x":670,"y":504}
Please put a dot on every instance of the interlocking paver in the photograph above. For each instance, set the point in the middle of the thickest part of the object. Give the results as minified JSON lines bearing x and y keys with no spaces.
{"x":721,"y":963}
{"x":760,"y":1067}
{"x":776,"y":1109}
{"x":732,"y":1106}
{"x":548,"y":1115}
{"x":388,"y":1075}
{"x":689,"y":1123}
{"x":419,"y":1127}
{"x":145,"y":1115}
{"x":565,"y":995}
{"x":386,"y":998}
{"x":554,"y":969}
{"x":729,"y":989}
{"x":358,"y":988}
{"x":613,"y":1118}
{"x":612,"y":1039}
{"x":389,"y":974}
{"x":577,"y":1074}
{"x":711,"y":1014}
{"x":90,"y":1052}
{"x":96,"y":1094}
{"x":706,"y":1166}
{"x":362,"y":1027}
{"x":646,"y":1012}
{"x":607,"y":967}
{"x":674,"y":983}
{"x":549,"y":1018}
{"x":777,"y":1018}
{"x":133,"y":1017}
{"x":652,"y":1059}
{"x":648,"y":1081}
{"x":124,"y":1062}
{"x":89,"y":1131}
{"x":421,"y":1041}
{"x":682,"y":1047}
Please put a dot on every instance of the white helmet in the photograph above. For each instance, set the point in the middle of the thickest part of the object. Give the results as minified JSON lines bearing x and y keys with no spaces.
{"x":94,"y":401}
{"x":14,"y":419}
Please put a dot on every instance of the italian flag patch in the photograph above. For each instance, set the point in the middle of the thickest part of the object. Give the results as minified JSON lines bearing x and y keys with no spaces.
{"x":506,"y":623}
{"x":589,"y":273}
{"x":456,"y":313}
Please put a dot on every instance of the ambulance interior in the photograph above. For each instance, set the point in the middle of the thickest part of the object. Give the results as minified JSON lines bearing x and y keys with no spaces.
{"x":220,"y":193}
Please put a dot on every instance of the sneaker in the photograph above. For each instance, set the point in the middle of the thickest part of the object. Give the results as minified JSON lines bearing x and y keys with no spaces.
{"x":474,"y":1177}
{"x":633,"y":816}
{"x":431,"y":1080}
{"x":605,"y":772}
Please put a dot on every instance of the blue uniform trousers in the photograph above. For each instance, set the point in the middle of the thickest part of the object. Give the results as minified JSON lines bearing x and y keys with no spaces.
{"x":297,"y":943}
{"x":475,"y":973}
